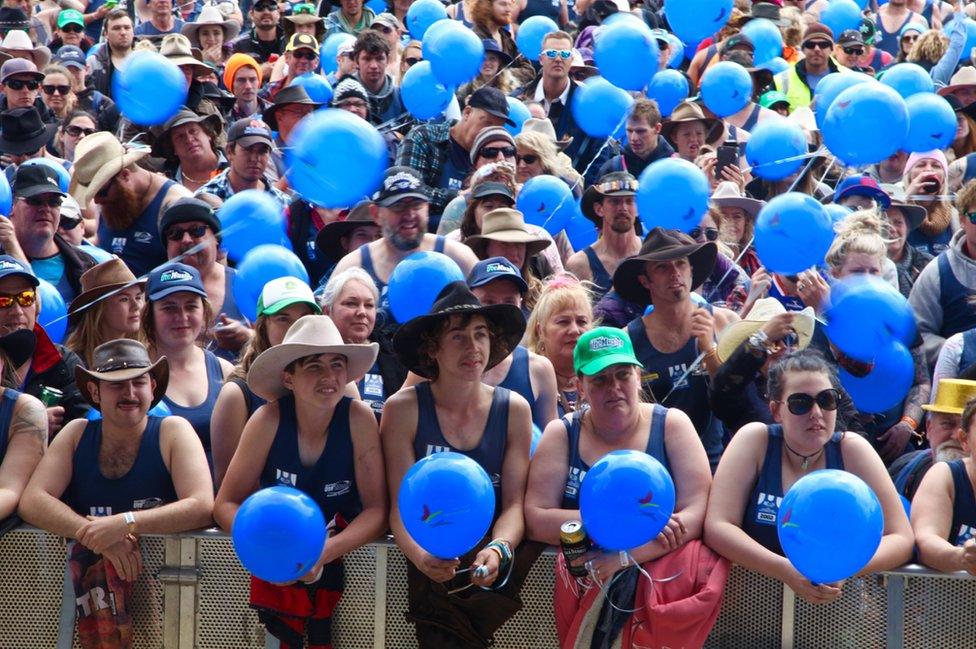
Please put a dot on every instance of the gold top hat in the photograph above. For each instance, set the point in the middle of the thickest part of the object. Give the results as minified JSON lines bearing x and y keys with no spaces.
{"x":951,"y":396}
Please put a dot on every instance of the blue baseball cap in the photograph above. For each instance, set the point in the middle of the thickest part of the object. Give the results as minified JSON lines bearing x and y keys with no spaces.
{"x":10,"y":266}
{"x":174,"y":278}
{"x":493,"y":268}
{"x":862,"y":186}
{"x":70,"y":56}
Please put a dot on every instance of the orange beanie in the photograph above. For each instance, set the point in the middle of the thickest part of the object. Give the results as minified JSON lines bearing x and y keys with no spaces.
{"x":235,"y":63}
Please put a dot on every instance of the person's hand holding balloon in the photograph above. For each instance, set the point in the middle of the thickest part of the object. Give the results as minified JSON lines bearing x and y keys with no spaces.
{"x":489,"y":559}
{"x":812,"y":593}
{"x":673,"y":534}
{"x":439,"y":570}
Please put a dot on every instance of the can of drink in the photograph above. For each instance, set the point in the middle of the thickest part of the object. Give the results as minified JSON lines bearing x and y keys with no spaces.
{"x":575,"y":543}
{"x":51,"y":397}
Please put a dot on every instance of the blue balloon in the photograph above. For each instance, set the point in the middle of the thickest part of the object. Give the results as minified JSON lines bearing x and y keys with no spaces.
{"x":548,"y":202}
{"x":793,"y":233}
{"x":668,"y":88}
{"x":422,"y":14}
{"x":866,"y":125}
{"x":776,"y":65}
{"x":64,"y":178}
{"x":536,"y":436}
{"x":673,"y":194}
{"x":330,"y":50}
{"x":970,"y":39}
{"x":149,"y":88}
{"x":694,"y":21}
{"x":317,"y":87}
{"x":908,"y":79}
{"x":581,"y":231}
{"x":159,"y":410}
{"x":829,"y":87}
{"x":440,"y":26}
{"x":677,"y":50}
{"x":626,"y":54}
{"x":837,"y":212}
{"x":530,"y":33}
{"x":775,"y":148}
{"x":601,"y":108}
{"x":455,"y":55}
{"x":6,"y":196}
{"x":446,"y":503}
{"x":53,"y":316}
{"x":865,"y":314}
{"x":260,"y":266}
{"x":422,"y":92}
{"x":626,"y":500}
{"x":416,"y":282}
{"x":249,"y":219}
{"x":841,"y":15}
{"x":279,"y":534}
{"x":830,"y":525}
{"x":726,"y":88}
{"x":766,"y":38}
{"x":320,"y":176}
{"x":623,"y":17}
{"x":378,"y":6}
{"x":518,"y":112}
{"x":886,"y":385}
{"x":931,"y":122}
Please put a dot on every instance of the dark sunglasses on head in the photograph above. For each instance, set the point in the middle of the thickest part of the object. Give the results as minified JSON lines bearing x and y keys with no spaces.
{"x":528,"y":158}
{"x":711,"y":234}
{"x":854,"y":51}
{"x":18,"y":84}
{"x":50,"y":89}
{"x":818,"y":45}
{"x":196,"y":231}
{"x":493,"y":151}
{"x":24,"y":299}
{"x":78,"y":131}
{"x":265,"y":6}
{"x":801,"y":403}
{"x":412,"y":61}
{"x":308,"y":55}
{"x":303,"y":8}
{"x":72,"y":28}
{"x":41,"y":201}
{"x":68,"y":223}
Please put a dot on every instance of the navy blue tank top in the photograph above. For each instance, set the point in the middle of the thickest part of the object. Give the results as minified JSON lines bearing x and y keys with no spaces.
{"x":753,"y":118}
{"x":578,"y":468}
{"x":331,"y":481}
{"x":958,"y":314}
{"x":384,"y":316}
{"x":888,"y":41}
{"x":601,"y":277}
{"x":934,"y":245}
{"x":140,"y":245}
{"x":490,"y":451}
{"x":459,"y":15}
{"x":7,"y":403}
{"x":761,"y":514}
{"x":519,"y":380}
{"x":146,"y":485}
{"x":963,"y":505}
{"x":547,"y":8}
{"x":661,"y":371}
{"x":252,"y":401}
{"x":199,"y":415}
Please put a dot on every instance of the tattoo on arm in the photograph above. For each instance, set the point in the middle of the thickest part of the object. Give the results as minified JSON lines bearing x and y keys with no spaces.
{"x":31,"y":419}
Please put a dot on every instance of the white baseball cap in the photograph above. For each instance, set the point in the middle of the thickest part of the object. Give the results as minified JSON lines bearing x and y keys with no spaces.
{"x":281,"y":293}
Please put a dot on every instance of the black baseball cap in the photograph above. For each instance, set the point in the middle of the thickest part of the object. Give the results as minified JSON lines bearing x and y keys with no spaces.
{"x":493,"y":189}
{"x":400,"y":183}
{"x":850,"y":37}
{"x":492,"y":101}
{"x":31,"y":180}
{"x":250,"y":131}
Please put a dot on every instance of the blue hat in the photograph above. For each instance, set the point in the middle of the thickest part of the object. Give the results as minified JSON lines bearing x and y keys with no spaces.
{"x":174,"y":278}
{"x":10,"y":266}
{"x":70,"y":56}
{"x":492,"y":46}
{"x":487,"y":271}
{"x":861,"y":186}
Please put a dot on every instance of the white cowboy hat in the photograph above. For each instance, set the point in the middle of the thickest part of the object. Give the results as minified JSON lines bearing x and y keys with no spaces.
{"x":966,"y":76}
{"x":762,"y":312}
{"x":17,"y":42}
{"x":727,"y":194}
{"x":210,"y":15}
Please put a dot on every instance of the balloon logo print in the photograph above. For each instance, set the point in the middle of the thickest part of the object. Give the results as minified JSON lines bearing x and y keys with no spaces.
{"x":429,"y":516}
{"x":647,"y":501}
{"x":786,"y":519}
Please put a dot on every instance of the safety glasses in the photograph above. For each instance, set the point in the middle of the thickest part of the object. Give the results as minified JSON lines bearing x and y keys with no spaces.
{"x":801,"y":403}
{"x":24,"y":299}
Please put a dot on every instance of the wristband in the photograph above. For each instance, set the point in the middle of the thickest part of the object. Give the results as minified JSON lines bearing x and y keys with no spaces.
{"x":911,"y":422}
{"x":130,"y":520}
{"x":624,"y":558}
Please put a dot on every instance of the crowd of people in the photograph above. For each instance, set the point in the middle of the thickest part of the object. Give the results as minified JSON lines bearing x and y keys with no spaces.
{"x":164,"y":406}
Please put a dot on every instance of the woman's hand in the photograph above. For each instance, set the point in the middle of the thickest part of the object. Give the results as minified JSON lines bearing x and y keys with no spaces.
{"x":488,"y":558}
{"x":673,"y":534}
{"x":600,"y":566}
{"x":813,"y":290}
{"x":814,"y":593}
{"x":778,"y":327}
{"x":438,"y":570}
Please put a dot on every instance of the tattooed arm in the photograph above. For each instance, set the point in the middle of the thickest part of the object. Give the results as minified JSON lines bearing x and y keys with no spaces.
{"x":26,"y":441}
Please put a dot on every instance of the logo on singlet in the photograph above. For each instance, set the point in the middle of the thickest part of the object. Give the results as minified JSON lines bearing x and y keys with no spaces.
{"x":100,"y":511}
{"x":496,"y":480}
{"x":372,"y":385}
{"x":573,"y":481}
{"x":767,"y":508}
{"x":283,"y":477}
{"x":312,"y":252}
{"x":676,"y":372}
{"x":966,"y":532}
{"x":431,"y":449}
{"x":118,"y":244}
{"x":146,"y":503}
{"x":340,"y":488}
{"x":142,"y":237}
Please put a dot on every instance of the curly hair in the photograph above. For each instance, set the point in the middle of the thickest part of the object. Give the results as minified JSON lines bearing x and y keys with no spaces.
{"x":561,"y":292}
{"x":859,"y":233}
{"x":929,"y":47}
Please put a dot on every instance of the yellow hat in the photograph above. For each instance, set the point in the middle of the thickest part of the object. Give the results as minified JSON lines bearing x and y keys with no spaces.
{"x":951,"y":396}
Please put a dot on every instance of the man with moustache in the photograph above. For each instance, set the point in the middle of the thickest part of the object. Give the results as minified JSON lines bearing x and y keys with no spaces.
{"x":249,"y":146}
{"x":130,"y":197}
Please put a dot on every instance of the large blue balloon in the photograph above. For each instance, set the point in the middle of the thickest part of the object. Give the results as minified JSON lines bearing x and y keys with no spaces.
{"x":766,"y":38}
{"x":330,"y":49}
{"x":601,"y":108}
{"x":422,"y":14}
{"x":531,"y":31}
{"x":518,"y":112}
{"x":64,"y":178}
{"x":159,"y":410}
{"x":446,"y":503}
{"x":677,"y":50}
{"x":319,"y":175}
{"x":416,"y":282}
{"x":673,"y":193}
{"x":726,"y":88}
{"x":793,"y":233}
{"x":6,"y":196}
{"x":908,"y":79}
{"x":970,"y":39}
{"x":776,"y":65}
{"x":249,"y":219}
{"x":279,"y":534}
{"x":260,"y":266}
{"x":53,"y":311}
{"x":149,"y":88}
{"x":886,"y":385}
{"x":548,"y":202}
{"x":668,"y":88}
{"x":626,"y":500}
{"x":581,"y":231}
{"x":831,"y":86}
{"x":774,"y":148}
{"x":830,"y":525}
{"x":841,"y":15}
{"x":693,"y":21}
{"x":627,"y":55}
{"x":422,"y":92}
{"x":865,"y":314}
{"x":866,"y":125}
{"x":455,"y":55}
{"x":931,"y":123}
{"x":837,"y":212}
{"x":317,"y":87}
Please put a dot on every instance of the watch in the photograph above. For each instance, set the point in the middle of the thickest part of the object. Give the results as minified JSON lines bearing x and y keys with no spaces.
{"x":757,"y":344}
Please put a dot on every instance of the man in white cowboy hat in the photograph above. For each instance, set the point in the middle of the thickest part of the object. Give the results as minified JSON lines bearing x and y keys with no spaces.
{"x":203,"y":33}
{"x":161,"y":21}
{"x":18,"y":45}
{"x":644,"y":143}
{"x":131,"y":199}
{"x":962,"y":85}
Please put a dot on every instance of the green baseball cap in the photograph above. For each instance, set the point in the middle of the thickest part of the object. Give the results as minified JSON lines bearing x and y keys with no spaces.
{"x":599,"y":348}
{"x":773,"y":97}
{"x":281,"y":293}
{"x":69,"y":17}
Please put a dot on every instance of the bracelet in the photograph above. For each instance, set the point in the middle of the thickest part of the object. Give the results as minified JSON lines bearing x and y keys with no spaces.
{"x":911,"y":422}
{"x":503,"y":548}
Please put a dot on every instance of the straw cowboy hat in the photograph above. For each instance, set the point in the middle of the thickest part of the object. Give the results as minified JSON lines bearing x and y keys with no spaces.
{"x":762,"y":312}
{"x":951,"y":396}
{"x":310,"y":335}
{"x":210,"y":15}
{"x":17,"y":44}
{"x":177,"y":48}
{"x":162,"y":146}
{"x":663,"y":245}
{"x":98,"y":281}
{"x":689,"y":111}
{"x":506,"y":225}
{"x":966,"y":76}
{"x":98,"y":158}
{"x":544,"y":127}
{"x":122,"y":360}
{"x":727,"y":194}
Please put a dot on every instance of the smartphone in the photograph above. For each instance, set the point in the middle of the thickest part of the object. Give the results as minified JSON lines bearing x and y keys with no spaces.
{"x":727,"y":154}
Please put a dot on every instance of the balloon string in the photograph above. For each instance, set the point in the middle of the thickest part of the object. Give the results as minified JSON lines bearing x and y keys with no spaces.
{"x":605,"y":588}
{"x":802,"y":156}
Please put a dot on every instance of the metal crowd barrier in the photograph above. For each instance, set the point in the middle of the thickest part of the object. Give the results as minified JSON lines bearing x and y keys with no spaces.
{"x":194,"y":596}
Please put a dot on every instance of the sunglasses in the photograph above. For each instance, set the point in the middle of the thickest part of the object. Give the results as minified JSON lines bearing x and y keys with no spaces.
{"x":195,"y":231}
{"x":972,"y":217}
{"x":801,"y":404}
{"x":40,"y":201}
{"x":910,"y":37}
{"x":24,"y":299}
{"x":308,"y":55}
{"x":854,"y":51}
{"x":52,"y":89}
{"x":561,"y":54}
{"x":493,"y":151}
{"x":528,"y":158}
{"x":106,"y":188}
{"x":78,"y":131}
{"x":72,"y":28}
{"x":68,"y":223}
{"x":711,"y":234}
{"x":817,"y":45}
{"x":412,"y":61}
{"x":18,"y":84}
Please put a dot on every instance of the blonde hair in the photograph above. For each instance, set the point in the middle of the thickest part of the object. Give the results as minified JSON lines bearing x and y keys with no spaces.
{"x":89,"y":333}
{"x":930,"y":47}
{"x":71,"y":99}
{"x":561,"y":292}
{"x":554,"y":162}
{"x":861,"y":233}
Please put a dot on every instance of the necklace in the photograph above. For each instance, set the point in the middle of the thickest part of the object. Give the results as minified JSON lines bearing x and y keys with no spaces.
{"x":806,"y":458}
{"x":192,"y":179}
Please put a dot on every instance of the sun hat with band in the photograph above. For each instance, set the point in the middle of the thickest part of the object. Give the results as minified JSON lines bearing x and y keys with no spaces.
{"x":965,"y":77}
{"x":329,"y":239}
{"x":162,"y":146}
{"x":508,"y":226}
{"x":727,"y":194}
{"x":310,"y":335}
{"x":177,"y":48}
{"x":599,"y":348}
{"x":122,"y":360}
{"x":97,"y":282}
{"x":951,"y":396}
{"x":281,"y":293}
{"x":210,"y":15}
{"x":615,"y":183}
{"x":764,"y":310}
{"x":689,"y":111}
{"x":99,"y":157}
{"x":663,"y":245}
{"x":457,"y":299}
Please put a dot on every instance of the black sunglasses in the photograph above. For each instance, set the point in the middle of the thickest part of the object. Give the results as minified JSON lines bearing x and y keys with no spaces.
{"x":78,"y":131}
{"x":68,"y":223}
{"x":196,"y":231}
{"x":493,"y":151}
{"x":308,"y":55}
{"x":50,"y":89}
{"x":528,"y":158}
{"x":710,"y":233}
{"x":412,"y":61}
{"x":819,"y":45}
{"x":40,"y":201}
{"x":72,"y":28}
{"x":18,"y":84}
{"x":854,"y":51}
{"x":801,"y":403}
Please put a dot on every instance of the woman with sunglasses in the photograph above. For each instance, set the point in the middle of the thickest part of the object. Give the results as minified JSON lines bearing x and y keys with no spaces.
{"x":411,"y":55}
{"x":762,"y":461}
{"x":76,"y":125}
{"x":907,"y":38}
{"x":56,"y":91}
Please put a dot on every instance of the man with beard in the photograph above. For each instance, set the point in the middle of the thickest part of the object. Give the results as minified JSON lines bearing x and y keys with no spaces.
{"x":266,"y":37}
{"x":249,"y":145}
{"x":400,"y":210}
{"x":131,"y":199}
{"x":610,"y":205}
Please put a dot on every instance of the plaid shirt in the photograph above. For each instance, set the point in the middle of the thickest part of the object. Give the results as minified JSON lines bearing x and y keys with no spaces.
{"x":425,"y":150}
{"x":219,"y":186}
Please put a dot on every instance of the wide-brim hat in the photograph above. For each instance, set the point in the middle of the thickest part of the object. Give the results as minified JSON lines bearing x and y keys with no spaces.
{"x":22,"y":131}
{"x":98,"y":158}
{"x":210,"y":15}
{"x":506,"y":225}
{"x":287,"y":95}
{"x":162,"y":146}
{"x":122,"y":360}
{"x":617,"y":183}
{"x":727,"y":194}
{"x":689,"y":111}
{"x":914,"y":214}
{"x":329,"y":238}
{"x":966,"y":76}
{"x":178,"y":49}
{"x":100,"y":280}
{"x":762,"y":312}
{"x":457,"y":299}
{"x":769,"y":11}
{"x":310,"y":335}
{"x":544,"y":127}
{"x":951,"y":396}
{"x":663,"y":245}
{"x":17,"y":42}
